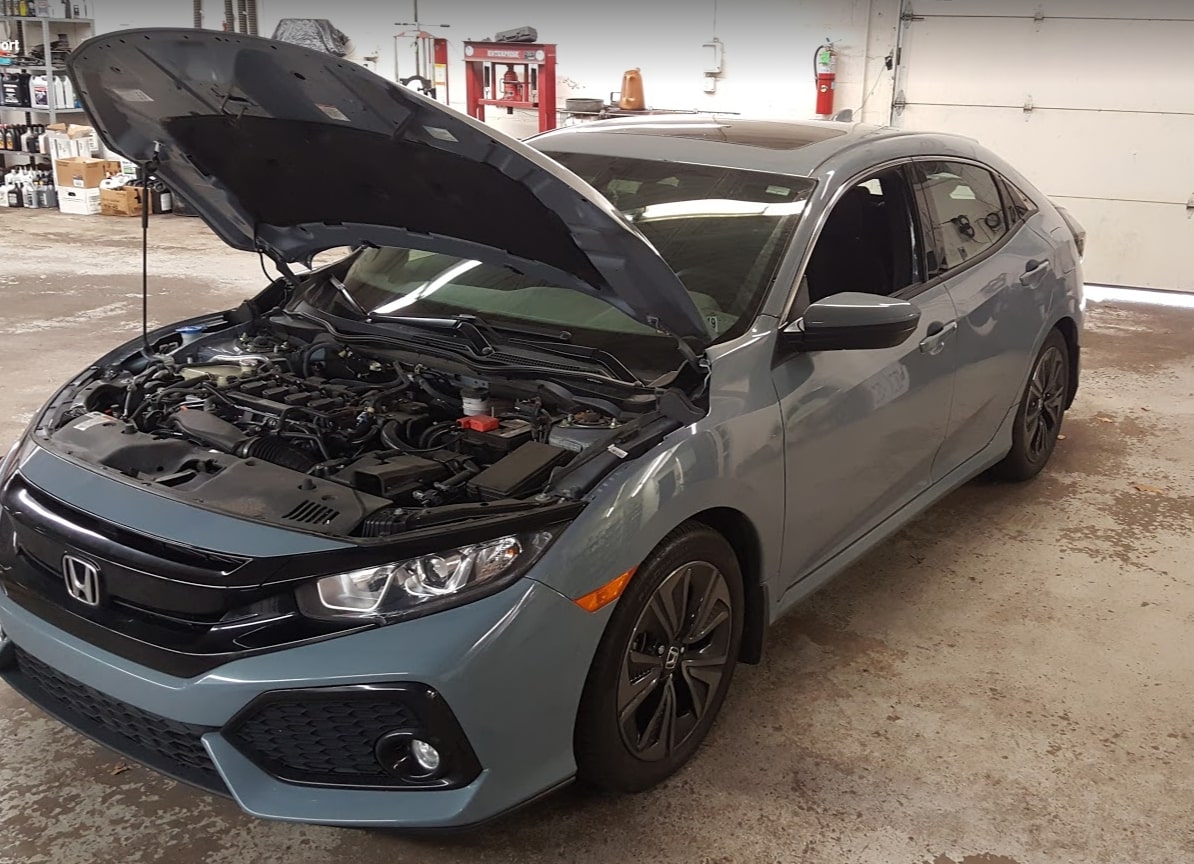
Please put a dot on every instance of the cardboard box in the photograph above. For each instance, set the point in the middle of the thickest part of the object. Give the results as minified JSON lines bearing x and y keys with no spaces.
{"x":126,"y":201}
{"x":66,"y":141}
{"x":83,"y":172}
{"x":121,"y":202}
{"x":79,"y":202}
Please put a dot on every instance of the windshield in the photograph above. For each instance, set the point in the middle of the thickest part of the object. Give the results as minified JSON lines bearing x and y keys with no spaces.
{"x":722,"y":230}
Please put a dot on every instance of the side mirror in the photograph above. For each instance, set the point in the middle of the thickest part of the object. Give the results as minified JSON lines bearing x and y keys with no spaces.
{"x":852,"y":321}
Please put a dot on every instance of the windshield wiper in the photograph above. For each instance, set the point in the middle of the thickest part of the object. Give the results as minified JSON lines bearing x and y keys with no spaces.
{"x":554,"y":342}
{"x":482,"y":336}
{"x":346,"y":295}
{"x":461,"y":326}
{"x":545,"y":334}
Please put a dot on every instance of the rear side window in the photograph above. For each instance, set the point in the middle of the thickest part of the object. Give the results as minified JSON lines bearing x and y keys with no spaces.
{"x":964,"y":212}
{"x":1019,"y":205}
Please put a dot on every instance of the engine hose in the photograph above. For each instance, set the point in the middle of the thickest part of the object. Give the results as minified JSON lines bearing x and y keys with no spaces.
{"x":389,"y":436}
{"x":435,"y":431}
{"x":470,"y":471}
{"x":277,"y":452}
{"x":440,"y":398}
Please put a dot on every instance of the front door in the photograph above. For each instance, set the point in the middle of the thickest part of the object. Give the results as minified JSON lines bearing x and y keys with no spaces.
{"x":862,"y":428}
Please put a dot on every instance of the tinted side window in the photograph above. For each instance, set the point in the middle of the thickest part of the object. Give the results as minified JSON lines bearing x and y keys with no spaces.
{"x":965,"y":213}
{"x":1019,"y":205}
{"x":867,"y":243}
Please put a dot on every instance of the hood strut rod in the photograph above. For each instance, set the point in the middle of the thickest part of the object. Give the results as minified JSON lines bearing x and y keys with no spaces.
{"x":146,"y":168}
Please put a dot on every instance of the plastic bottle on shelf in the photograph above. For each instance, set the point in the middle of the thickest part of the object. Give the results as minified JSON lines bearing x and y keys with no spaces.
{"x":39,"y":91}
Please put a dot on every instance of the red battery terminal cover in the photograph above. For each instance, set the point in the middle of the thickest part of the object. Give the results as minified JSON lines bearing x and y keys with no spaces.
{"x":480,"y":423}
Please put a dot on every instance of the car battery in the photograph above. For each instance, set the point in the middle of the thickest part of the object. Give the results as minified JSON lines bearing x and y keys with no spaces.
{"x":494,"y":438}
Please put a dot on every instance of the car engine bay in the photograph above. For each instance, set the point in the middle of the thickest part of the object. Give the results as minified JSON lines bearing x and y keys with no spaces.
{"x":302,"y":430}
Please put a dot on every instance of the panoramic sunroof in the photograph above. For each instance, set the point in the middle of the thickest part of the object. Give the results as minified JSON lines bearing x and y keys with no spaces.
{"x":748,"y":133}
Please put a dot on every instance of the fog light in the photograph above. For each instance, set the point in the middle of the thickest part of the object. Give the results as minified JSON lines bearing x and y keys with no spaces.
{"x":406,"y":756}
{"x":426,"y":756}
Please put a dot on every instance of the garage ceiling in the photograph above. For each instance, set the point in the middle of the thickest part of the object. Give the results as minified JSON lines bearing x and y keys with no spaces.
{"x":1091,"y":100}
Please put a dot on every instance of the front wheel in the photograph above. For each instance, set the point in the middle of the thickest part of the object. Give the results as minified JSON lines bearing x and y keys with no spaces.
{"x":1042,"y":409}
{"x":664,"y":664}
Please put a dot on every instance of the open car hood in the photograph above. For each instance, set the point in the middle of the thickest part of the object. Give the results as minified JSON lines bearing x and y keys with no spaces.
{"x":290,"y":151}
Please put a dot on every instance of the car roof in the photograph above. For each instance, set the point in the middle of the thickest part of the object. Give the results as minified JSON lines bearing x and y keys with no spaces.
{"x":797,"y":147}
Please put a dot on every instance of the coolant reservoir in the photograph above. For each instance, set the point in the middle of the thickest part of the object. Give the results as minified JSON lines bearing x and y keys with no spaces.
{"x":220,"y":374}
{"x":632,"y":91}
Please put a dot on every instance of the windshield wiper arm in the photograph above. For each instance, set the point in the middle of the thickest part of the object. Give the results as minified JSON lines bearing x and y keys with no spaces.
{"x":544,"y":335}
{"x":348,"y":298}
{"x":461,"y":325}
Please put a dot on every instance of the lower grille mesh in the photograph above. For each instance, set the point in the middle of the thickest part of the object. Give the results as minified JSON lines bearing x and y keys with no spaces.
{"x":327,"y":738}
{"x":173,"y":743}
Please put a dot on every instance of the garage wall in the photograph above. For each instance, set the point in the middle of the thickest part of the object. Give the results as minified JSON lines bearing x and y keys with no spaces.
{"x":768,"y":44}
{"x":1090,"y":98}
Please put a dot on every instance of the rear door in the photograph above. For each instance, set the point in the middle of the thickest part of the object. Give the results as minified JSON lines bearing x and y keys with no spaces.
{"x":998,"y":272}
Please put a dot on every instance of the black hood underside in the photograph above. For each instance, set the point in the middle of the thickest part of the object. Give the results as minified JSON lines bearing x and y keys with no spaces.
{"x":291,"y":151}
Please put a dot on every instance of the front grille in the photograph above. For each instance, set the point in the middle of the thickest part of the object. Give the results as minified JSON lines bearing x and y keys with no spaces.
{"x":167,"y":745}
{"x":155,"y":554}
{"x":322,"y":739}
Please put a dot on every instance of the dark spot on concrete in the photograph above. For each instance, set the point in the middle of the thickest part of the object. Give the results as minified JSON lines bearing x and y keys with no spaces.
{"x":1138,"y":518}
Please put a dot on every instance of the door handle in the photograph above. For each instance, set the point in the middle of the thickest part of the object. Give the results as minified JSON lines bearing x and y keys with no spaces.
{"x":1033,"y":269}
{"x":934,"y":343}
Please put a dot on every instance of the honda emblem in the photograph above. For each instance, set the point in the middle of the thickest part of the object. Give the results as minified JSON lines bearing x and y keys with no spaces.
{"x":82,"y":580}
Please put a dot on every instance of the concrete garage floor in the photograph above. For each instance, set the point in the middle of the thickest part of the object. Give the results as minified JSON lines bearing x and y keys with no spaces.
{"x":1006,"y":681}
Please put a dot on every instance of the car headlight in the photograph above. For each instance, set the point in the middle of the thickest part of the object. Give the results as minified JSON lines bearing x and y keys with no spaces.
{"x":424,"y":584}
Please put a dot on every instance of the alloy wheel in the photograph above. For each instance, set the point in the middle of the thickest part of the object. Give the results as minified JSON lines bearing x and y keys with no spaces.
{"x":1046,"y":403}
{"x":675,"y":660}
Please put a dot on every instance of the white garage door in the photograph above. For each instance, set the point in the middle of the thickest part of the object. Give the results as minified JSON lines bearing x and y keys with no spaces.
{"x":1092,"y":99}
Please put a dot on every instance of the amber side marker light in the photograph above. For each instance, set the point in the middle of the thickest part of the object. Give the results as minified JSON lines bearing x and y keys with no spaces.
{"x":606,"y":594}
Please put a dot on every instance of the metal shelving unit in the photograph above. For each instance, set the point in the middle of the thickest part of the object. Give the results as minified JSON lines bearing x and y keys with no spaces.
{"x":48,"y":69}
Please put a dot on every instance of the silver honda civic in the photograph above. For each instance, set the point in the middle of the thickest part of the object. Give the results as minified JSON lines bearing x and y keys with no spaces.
{"x":500,"y":497}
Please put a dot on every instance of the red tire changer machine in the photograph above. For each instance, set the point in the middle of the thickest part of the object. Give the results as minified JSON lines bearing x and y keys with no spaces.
{"x":511,"y":75}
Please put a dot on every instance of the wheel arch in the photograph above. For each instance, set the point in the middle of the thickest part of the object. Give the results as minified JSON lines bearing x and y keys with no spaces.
{"x":1068,"y":328}
{"x":742,"y":535}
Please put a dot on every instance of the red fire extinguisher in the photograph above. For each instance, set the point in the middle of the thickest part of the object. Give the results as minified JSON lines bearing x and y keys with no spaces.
{"x":825,"y":71}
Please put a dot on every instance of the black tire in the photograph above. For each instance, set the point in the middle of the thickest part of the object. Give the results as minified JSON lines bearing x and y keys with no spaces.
{"x":617,"y":747}
{"x":1042,"y":410}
